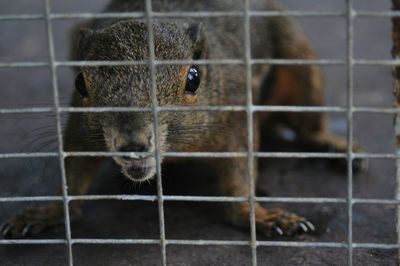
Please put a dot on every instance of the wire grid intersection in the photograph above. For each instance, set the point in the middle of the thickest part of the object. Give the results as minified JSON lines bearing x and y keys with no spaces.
{"x":350,"y":14}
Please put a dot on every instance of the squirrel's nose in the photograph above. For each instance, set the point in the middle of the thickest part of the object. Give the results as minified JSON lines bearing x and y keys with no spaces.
{"x":134,"y":147}
{"x":136,"y":141}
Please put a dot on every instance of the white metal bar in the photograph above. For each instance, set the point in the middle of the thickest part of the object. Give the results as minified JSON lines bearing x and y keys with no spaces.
{"x":202,"y":199}
{"x":250,"y":134}
{"x":302,"y":155}
{"x":217,"y":108}
{"x":372,"y":62}
{"x":350,"y":63}
{"x":59,"y":132}
{"x":152,"y":58}
{"x":199,"y":14}
{"x":95,"y":241}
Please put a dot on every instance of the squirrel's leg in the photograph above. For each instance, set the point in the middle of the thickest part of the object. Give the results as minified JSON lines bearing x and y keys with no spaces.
{"x":234,"y":181}
{"x":301,"y":85}
{"x":233,"y":178}
{"x":34,"y":220}
{"x":297,"y":85}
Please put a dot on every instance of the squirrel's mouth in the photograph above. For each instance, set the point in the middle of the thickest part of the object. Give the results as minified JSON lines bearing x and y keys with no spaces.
{"x":139,"y":173}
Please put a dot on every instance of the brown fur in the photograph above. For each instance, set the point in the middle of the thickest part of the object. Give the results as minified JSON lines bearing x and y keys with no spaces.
{"x":188,"y":131}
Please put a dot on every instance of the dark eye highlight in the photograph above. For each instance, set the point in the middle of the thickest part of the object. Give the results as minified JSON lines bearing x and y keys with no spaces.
{"x":193,"y":80}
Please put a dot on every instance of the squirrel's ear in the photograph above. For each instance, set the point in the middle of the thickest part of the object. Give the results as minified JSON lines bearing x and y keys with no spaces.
{"x":85,"y":35}
{"x":195,"y":32}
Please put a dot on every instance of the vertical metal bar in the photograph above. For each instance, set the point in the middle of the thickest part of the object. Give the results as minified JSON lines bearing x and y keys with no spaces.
{"x":396,"y":91}
{"x":59,"y":131}
{"x":160,"y":198}
{"x":397,"y":191}
{"x":249,"y":111}
{"x":350,"y":63}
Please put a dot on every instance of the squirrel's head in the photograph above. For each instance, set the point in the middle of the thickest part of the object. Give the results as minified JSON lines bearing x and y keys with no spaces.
{"x":130,"y":86}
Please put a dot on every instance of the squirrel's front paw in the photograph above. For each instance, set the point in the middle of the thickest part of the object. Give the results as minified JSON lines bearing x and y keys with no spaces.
{"x":278,"y":222}
{"x":31,"y":222}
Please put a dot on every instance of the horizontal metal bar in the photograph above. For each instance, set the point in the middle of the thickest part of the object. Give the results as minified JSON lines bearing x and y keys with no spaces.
{"x":213,"y":154}
{"x":27,"y":110}
{"x":236,"y":108}
{"x":377,"y":62}
{"x":296,"y":13}
{"x":21,"y":17}
{"x":301,"y":244}
{"x":114,"y":197}
{"x":140,"y":15}
{"x":207,"y":242}
{"x":271,"y":61}
{"x":206,"y":62}
{"x":181,"y":14}
{"x":378,"y":14}
{"x":32,"y":241}
{"x":179,"y":198}
{"x":308,"y":200}
{"x":31,"y":199}
{"x":238,"y":154}
{"x":299,"y":200}
{"x":23,"y":64}
{"x":115,"y":241}
{"x":173,"y":242}
{"x":376,"y":246}
{"x":220,"y":108}
{"x":164,"y":154}
{"x":278,"y":108}
{"x":28,"y":155}
{"x":199,"y":14}
{"x":203,"y":62}
{"x":375,"y":155}
{"x":304,"y":155}
{"x":382,"y":110}
{"x":94,"y":241}
{"x":376,"y":201}
{"x":157,"y":62}
{"x":157,"y":241}
{"x":89,"y":15}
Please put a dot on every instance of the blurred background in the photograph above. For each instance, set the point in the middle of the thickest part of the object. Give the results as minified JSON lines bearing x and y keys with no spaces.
{"x":26,"y":40}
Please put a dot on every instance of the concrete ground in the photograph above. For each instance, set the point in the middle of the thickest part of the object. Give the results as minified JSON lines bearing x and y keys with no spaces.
{"x":27,"y":87}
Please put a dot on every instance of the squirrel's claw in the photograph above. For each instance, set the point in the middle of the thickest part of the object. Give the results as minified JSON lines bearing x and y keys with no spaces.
{"x":360,"y":165}
{"x":29,"y":222}
{"x":282,"y":223}
{"x":26,"y":230}
{"x":278,"y":231}
{"x":5,"y":229}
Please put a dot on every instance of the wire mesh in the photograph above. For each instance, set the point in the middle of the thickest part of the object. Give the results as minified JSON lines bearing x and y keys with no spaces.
{"x":249,"y":108}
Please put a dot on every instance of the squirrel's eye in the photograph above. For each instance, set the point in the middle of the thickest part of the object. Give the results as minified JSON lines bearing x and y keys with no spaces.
{"x":193,"y":80}
{"x":81,"y":86}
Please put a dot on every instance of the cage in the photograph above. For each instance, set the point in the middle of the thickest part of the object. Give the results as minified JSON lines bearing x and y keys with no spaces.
{"x":176,"y":220}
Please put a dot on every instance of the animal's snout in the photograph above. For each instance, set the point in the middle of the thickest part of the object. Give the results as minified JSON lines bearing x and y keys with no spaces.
{"x":137,"y":167}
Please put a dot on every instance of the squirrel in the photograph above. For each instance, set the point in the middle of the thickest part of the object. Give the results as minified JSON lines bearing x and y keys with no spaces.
{"x":277,"y":37}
